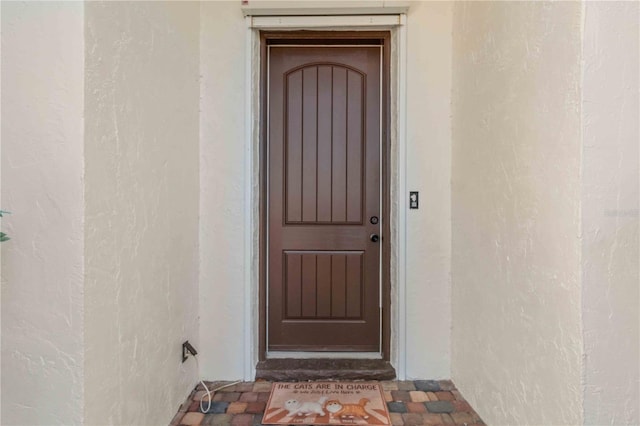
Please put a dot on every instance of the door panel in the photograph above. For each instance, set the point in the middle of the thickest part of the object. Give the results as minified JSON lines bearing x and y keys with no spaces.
{"x":323,"y":285}
{"x":323,"y":185}
{"x":324,"y":145}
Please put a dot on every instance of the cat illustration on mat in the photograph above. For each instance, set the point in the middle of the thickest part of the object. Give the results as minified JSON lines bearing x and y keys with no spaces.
{"x":335,"y":408}
{"x":338,"y":409}
{"x":297,"y":408}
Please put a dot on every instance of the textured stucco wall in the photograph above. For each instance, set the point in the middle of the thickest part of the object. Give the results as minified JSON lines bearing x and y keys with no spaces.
{"x":610,"y":194}
{"x":222,"y":227}
{"x":42,"y":172}
{"x":222,"y":206}
{"x":429,"y":44}
{"x":516,"y":339}
{"x":141,"y":190}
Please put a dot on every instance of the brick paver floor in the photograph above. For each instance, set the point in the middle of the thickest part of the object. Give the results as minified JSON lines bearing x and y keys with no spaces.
{"x":418,"y":402}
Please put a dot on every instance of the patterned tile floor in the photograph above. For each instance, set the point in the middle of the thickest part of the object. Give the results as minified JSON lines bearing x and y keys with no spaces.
{"x":419,"y":402}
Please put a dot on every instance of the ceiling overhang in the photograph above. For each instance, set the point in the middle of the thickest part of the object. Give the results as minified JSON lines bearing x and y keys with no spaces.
{"x":323,"y":8}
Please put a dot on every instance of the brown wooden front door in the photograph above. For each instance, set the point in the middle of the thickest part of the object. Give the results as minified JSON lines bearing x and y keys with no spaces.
{"x":324,"y":198}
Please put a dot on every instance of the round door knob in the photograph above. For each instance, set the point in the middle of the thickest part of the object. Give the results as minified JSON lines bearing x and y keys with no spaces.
{"x":375,"y":238}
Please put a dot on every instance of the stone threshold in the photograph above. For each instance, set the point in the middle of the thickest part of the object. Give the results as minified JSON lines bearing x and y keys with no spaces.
{"x":289,"y":369}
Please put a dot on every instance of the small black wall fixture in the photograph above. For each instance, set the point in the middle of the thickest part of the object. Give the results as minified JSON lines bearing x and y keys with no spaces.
{"x":187,"y":349}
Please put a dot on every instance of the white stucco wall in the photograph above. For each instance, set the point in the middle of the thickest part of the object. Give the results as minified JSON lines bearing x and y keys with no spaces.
{"x":141,"y":238}
{"x":42,"y":181}
{"x":610,"y":194}
{"x":428,"y":316}
{"x":222,"y":206}
{"x":222,"y":209}
{"x":517,"y":337}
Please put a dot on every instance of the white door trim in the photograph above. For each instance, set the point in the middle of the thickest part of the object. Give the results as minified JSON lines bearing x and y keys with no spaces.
{"x":397,"y":25}
{"x":321,"y":22}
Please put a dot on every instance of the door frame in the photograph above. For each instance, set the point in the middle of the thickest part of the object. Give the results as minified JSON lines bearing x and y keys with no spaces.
{"x":392,"y":30}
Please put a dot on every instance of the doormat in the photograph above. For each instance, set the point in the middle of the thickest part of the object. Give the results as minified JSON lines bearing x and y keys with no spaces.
{"x":326,"y":403}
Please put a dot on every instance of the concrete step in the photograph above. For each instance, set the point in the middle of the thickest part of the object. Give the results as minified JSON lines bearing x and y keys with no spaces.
{"x":289,"y":369}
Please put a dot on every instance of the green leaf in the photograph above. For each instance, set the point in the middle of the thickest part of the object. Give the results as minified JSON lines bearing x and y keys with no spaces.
{"x":4,"y":212}
{"x":3,"y":237}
